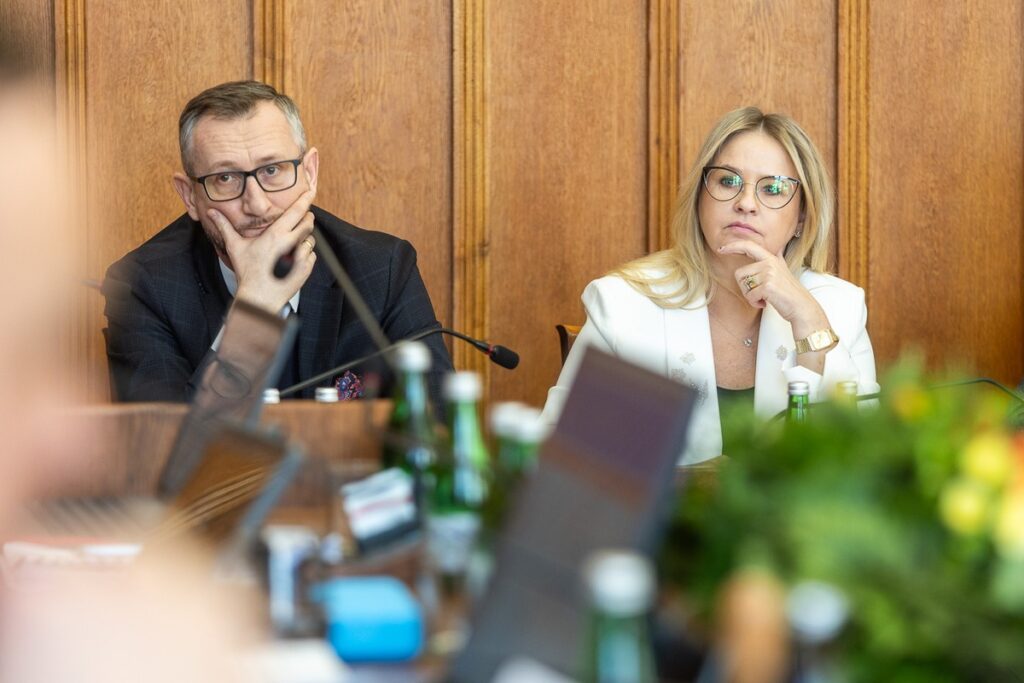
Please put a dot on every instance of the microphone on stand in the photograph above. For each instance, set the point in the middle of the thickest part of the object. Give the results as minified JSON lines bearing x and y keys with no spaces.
{"x":500,"y":355}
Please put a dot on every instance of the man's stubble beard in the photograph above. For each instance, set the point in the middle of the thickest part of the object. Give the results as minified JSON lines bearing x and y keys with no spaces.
{"x":217,"y":240}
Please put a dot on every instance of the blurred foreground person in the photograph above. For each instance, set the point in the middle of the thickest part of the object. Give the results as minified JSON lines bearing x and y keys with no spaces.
{"x":36,"y":240}
{"x":740,"y":305}
{"x":162,"y":620}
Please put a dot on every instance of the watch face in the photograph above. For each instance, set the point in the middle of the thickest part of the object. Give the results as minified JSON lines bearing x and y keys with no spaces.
{"x":820,"y":339}
{"x":816,"y":341}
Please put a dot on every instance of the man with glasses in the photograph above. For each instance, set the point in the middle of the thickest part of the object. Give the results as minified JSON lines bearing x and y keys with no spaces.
{"x":248,"y":183}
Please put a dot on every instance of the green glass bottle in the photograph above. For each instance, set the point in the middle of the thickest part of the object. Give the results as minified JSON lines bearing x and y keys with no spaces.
{"x":621,"y":589}
{"x":846,"y":393}
{"x":799,"y":401}
{"x":505,"y":419}
{"x":530,"y":432}
{"x":411,"y":438}
{"x":458,"y":484}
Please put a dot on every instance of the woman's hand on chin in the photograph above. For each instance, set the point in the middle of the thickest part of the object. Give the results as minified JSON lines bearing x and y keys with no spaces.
{"x":768,"y":280}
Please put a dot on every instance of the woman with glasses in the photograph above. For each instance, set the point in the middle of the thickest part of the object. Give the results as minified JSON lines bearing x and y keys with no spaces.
{"x":741,"y":304}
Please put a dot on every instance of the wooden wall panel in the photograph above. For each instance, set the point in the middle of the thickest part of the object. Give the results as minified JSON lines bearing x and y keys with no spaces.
{"x":774,"y":54}
{"x":526,"y":148}
{"x":946,"y":162}
{"x":373,"y":82}
{"x":852,"y":177}
{"x":566,"y":193}
{"x":143,"y":61}
{"x":29,"y":24}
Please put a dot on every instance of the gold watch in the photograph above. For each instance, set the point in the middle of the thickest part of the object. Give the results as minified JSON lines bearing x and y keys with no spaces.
{"x":822,"y":340}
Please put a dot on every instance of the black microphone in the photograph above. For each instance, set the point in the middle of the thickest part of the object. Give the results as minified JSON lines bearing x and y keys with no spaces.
{"x":284,"y":265}
{"x":500,"y":355}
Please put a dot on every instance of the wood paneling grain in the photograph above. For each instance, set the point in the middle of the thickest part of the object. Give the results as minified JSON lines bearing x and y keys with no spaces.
{"x":142,"y":64}
{"x":470,"y":237}
{"x":854,"y":105}
{"x":946,"y":161}
{"x":68,"y":40}
{"x":566,"y":155}
{"x":373,"y":82}
{"x":773,"y":54}
{"x":28,"y":26}
{"x":271,"y":43}
{"x":663,"y":120}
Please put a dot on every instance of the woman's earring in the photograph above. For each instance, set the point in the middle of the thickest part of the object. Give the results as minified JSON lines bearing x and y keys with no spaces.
{"x":798,"y":233}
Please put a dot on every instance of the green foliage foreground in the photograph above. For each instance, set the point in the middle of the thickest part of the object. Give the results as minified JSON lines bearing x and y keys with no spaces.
{"x":913,"y":509}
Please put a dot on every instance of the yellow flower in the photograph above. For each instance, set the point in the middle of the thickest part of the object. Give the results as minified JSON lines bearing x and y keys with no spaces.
{"x":964,"y":506}
{"x":1009,"y":527}
{"x":988,"y":459}
{"x":910,"y":403}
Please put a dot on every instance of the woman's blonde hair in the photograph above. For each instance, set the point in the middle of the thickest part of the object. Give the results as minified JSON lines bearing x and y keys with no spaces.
{"x":678,"y":276}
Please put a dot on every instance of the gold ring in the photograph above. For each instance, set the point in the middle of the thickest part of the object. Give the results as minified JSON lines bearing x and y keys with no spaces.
{"x":310,"y":242}
{"x":750,"y":282}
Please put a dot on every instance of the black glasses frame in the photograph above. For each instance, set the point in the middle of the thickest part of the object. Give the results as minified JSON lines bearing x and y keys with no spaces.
{"x":743,"y":183}
{"x":245,"y":178}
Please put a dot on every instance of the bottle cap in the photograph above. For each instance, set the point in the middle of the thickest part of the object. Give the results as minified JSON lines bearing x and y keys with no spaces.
{"x":621,"y":582}
{"x":271,"y":395}
{"x":505,"y":417}
{"x":326,"y":394}
{"x":462,"y":386}
{"x":531,"y":429}
{"x":817,"y":611}
{"x":846,"y":388}
{"x":412,"y":356}
{"x":799,"y":388}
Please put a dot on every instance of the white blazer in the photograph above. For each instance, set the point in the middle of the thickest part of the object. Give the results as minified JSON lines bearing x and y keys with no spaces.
{"x":677,"y":344}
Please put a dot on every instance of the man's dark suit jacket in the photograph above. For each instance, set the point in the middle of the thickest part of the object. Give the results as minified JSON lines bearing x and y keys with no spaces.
{"x":166,"y":302}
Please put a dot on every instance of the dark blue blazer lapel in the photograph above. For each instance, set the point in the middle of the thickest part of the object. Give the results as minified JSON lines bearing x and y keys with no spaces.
{"x":215,"y":297}
{"x":320,"y":306}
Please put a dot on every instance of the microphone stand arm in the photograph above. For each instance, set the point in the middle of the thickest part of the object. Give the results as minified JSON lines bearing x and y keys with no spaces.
{"x":355,"y":299}
{"x":333,"y":372}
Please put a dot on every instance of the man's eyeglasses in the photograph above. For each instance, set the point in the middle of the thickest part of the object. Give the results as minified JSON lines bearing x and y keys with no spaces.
{"x":224,"y":186}
{"x":774,"y":191}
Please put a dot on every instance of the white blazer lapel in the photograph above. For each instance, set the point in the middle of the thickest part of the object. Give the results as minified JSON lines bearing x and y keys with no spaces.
{"x":689,"y":360}
{"x":775,"y":343}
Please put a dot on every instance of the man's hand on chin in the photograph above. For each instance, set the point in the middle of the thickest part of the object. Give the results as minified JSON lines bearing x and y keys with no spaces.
{"x":253,"y":258}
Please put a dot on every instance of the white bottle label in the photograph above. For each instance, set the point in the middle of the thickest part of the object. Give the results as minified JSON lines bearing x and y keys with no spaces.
{"x":450,"y":539}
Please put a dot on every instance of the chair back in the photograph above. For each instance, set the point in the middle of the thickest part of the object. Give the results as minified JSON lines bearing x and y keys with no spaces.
{"x":566,"y":337}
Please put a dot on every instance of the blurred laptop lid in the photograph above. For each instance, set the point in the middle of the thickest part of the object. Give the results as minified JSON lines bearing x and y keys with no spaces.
{"x":252,"y":351}
{"x":605,"y":480}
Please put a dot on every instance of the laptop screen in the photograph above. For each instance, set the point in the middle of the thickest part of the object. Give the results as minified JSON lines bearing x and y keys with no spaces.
{"x":605,"y":480}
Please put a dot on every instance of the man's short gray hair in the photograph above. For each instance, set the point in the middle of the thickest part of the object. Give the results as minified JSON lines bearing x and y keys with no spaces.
{"x":231,"y":101}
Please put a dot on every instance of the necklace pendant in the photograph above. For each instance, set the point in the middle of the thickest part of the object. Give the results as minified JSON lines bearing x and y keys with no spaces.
{"x":748,"y":342}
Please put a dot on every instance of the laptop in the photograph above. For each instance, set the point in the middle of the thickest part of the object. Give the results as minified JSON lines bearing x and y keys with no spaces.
{"x":224,"y":473}
{"x":252,"y":352}
{"x":606,"y":479}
